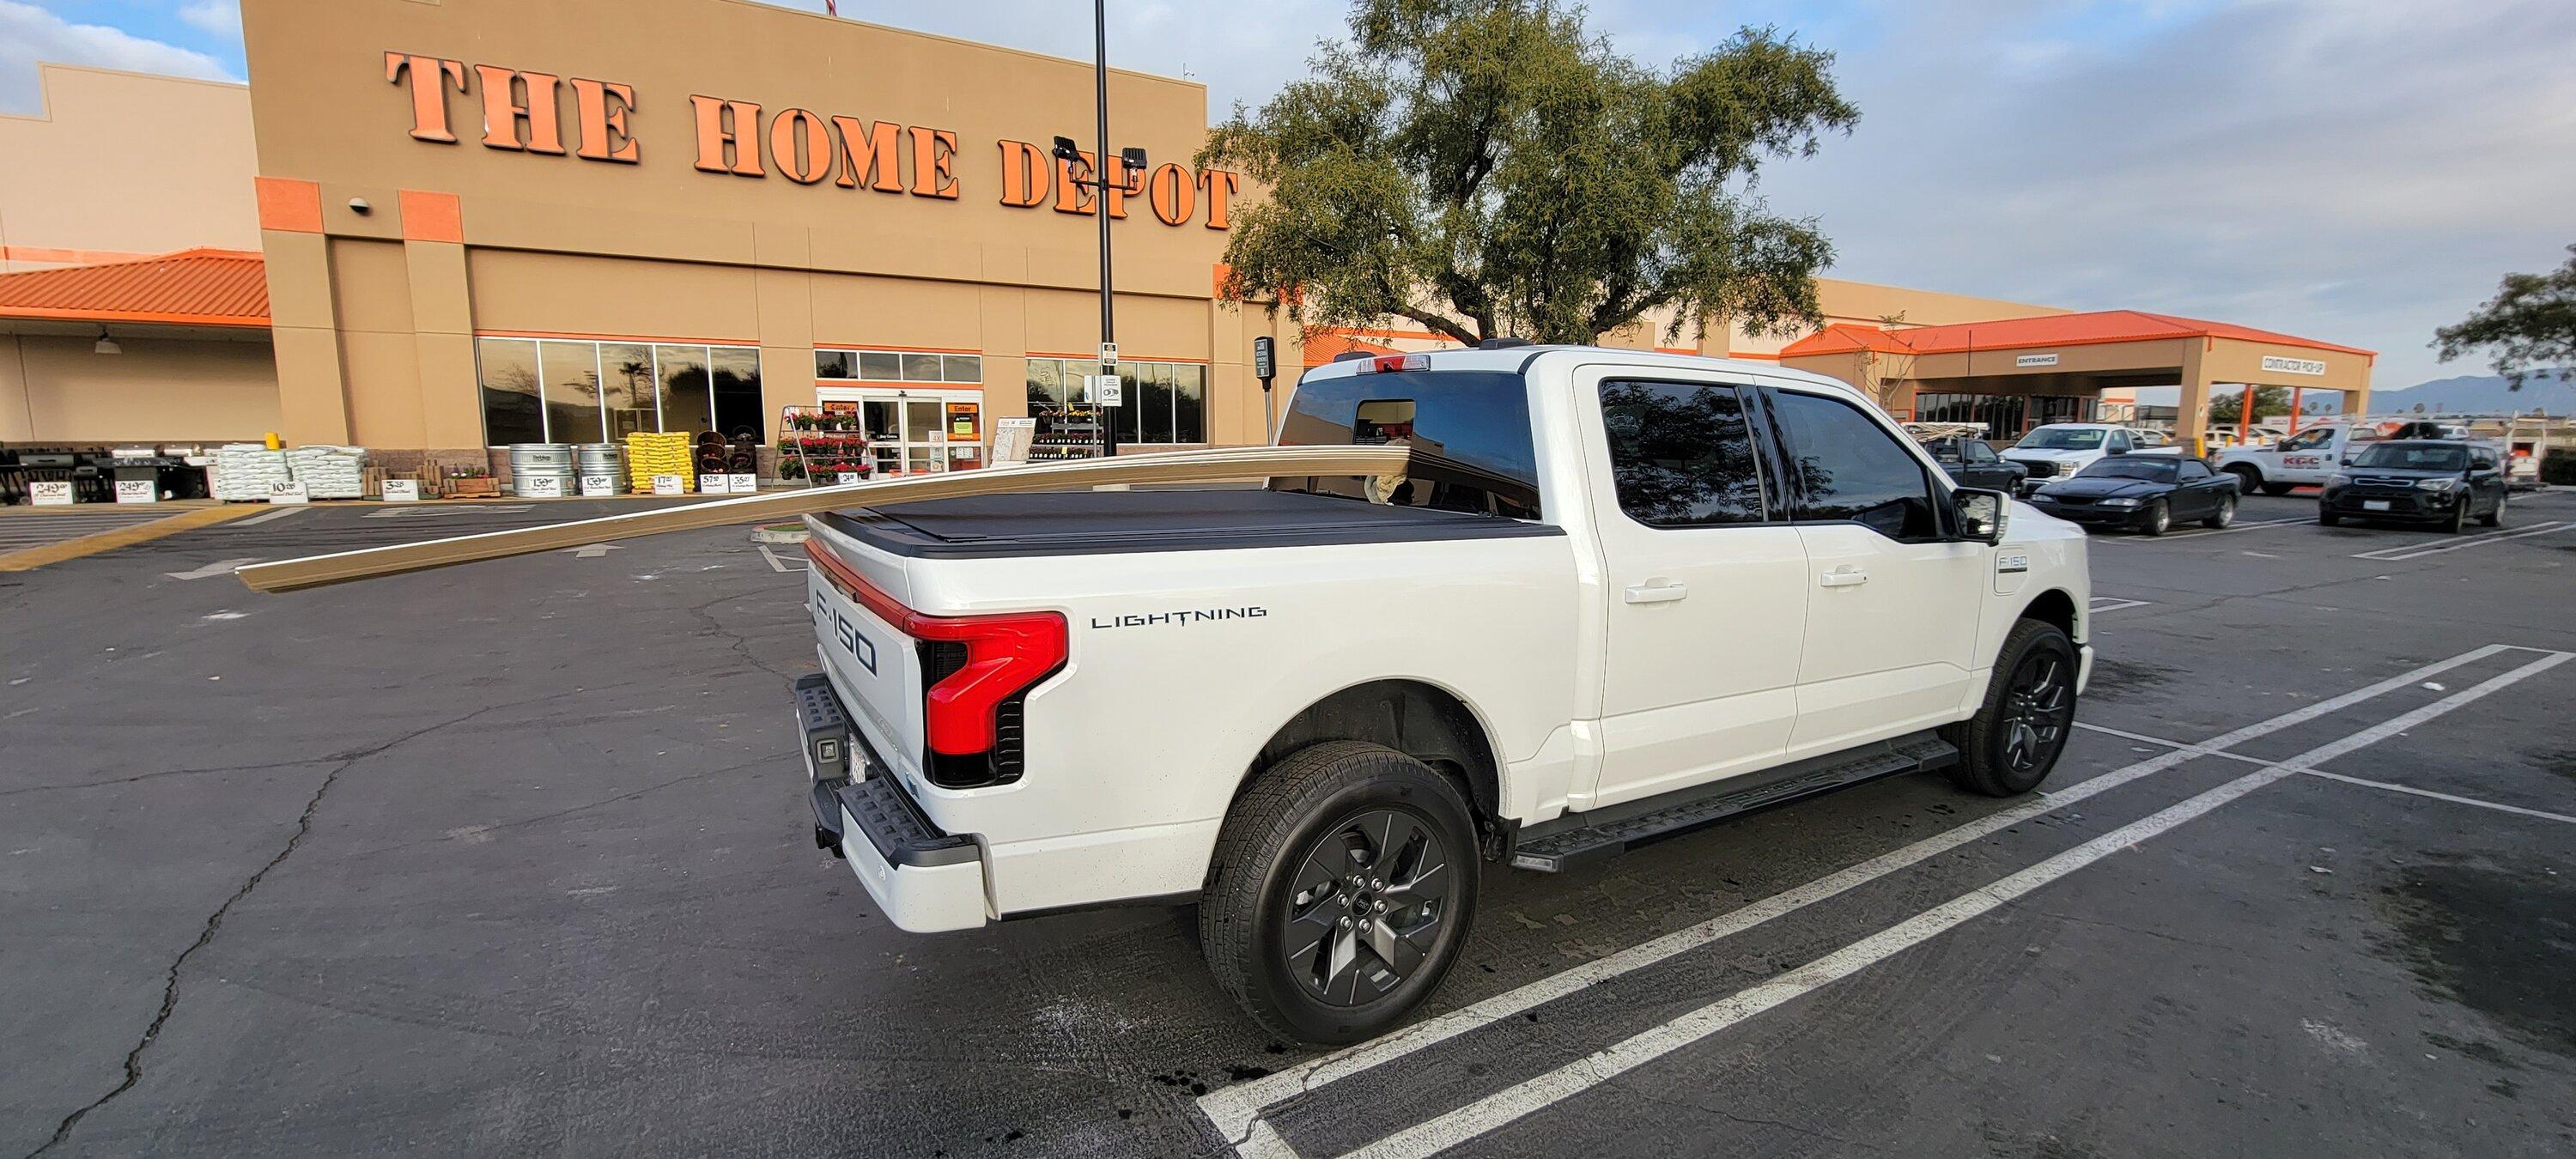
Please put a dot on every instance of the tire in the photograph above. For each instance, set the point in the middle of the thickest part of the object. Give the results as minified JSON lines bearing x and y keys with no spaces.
{"x":2248,"y":478}
{"x":2159,"y":517}
{"x":2277,"y":488}
{"x":2225,"y":514}
{"x":1299,"y":827}
{"x":1996,"y":757}
{"x":2459,"y":520}
{"x":2493,"y":518}
{"x":2326,"y":516}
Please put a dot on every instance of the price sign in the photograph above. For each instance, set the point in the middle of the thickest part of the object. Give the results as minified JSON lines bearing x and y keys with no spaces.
{"x":670,"y":485}
{"x":743,"y":484}
{"x":715,"y":484}
{"x":541,"y":487}
{"x":596,"y":485}
{"x":137,"y":491}
{"x":402,"y":490}
{"x":50,"y":492}
{"x":1011,"y":438}
{"x":293,"y":492}
{"x":845,"y":478}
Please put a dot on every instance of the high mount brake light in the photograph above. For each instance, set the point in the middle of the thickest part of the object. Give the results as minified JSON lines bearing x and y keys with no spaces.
{"x":1390,"y":363}
{"x":1005,"y":655}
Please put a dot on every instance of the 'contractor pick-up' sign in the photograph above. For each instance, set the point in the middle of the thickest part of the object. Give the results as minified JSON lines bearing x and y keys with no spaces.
{"x":2279,"y":365}
{"x":523,"y":113}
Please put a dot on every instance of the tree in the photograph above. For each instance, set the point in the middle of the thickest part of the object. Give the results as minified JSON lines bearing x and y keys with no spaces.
{"x":2528,"y":327}
{"x":1486,"y":168}
{"x":1883,"y":373}
{"x":2228,"y":409}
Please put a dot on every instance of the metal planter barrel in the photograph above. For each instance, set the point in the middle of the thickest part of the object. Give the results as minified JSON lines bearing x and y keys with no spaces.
{"x":595,"y":460}
{"x":541,"y":460}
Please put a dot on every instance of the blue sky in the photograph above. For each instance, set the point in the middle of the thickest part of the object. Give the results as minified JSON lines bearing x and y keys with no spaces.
{"x":2359,"y":171}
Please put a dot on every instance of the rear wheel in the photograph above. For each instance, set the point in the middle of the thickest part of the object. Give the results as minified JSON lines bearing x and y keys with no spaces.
{"x":1341,"y":891}
{"x":2277,"y":488}
{"x":2159,"y":517}
{"x":2248,"y":479}
{"x":2018,"y":733}
{"x":2225,"y":514}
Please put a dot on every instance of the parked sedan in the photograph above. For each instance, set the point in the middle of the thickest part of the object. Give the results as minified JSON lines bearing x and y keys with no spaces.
{"x":1974,"y":464}
{"x":2141,"y":492}
{"x":2422,"y":480}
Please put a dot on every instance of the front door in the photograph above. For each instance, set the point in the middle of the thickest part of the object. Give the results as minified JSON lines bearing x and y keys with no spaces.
{"x":1892,"y":604}
{"x":911,"y":431}
{"x":1705,"y":582}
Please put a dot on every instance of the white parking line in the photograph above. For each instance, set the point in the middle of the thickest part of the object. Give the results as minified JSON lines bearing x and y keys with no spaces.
{"x":2206,"y":531}
{"x":1235,"y":1111}
{"x":2415,"y":551}
{"x":779,"y":565}
{"x":2103,"y":604}
{"x":1517,"y":1102}
{"x":269,"y":516}
{"x":446,"y":512}
{"x":2365,"y":782}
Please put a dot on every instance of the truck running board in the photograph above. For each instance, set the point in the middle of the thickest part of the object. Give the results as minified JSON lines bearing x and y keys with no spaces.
{"x":1580,"y":837}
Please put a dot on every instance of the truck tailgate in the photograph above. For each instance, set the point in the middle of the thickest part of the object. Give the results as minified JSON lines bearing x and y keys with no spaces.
{"x":873,"y":665}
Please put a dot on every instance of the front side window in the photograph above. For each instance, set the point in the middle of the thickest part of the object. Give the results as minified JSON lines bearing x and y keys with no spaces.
{"x":2192,"y":469}
{"x":1682,"y":455}
{"x":2062,"y":439}
{"x":1469,"y":430}
{"x":1976,"y":451}
{"x":2309,"y":441}
{"x":1845,"y":468}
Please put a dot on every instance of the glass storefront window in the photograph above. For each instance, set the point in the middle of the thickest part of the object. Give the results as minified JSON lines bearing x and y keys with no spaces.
{"x":921,"y":368}
{"x":843,"y":364}
{"x":737,"y":393}
{"x":963,"y":367}
{"x":880,"y":366}
{"x":1166,"y":402}
{"x":511,"y":412}
{"x":686,"y":402}
{"x":572,"y":391}
{"x":626,"y":388}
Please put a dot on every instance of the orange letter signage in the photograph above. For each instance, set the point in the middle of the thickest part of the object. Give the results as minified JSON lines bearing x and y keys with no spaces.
{"x":722,"y":146}
{"x":1174,"y":194}
{"x":1071,"y":195}
{"x":1220,"y":186}
{"x":1024,"y":175}
{"x":428,"y":97}
{"x":868,"y":155}
{"x":800,"y":146}
{"x":933,"y":151}
{"x":503,"y":112}
{"x":601,"y":107}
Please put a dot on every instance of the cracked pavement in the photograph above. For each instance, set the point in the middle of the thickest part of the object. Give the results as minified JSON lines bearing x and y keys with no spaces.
{"x":515,"y":857}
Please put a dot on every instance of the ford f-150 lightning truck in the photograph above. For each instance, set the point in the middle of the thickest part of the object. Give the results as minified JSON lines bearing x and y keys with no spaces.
{"x":1613,"y":596}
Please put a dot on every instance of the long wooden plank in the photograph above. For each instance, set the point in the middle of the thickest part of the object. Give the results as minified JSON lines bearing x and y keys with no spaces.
{"x":1165,"y":467}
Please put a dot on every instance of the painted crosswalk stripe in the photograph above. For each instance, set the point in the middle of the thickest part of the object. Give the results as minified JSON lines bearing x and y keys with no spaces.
{"x":2418,"y":551}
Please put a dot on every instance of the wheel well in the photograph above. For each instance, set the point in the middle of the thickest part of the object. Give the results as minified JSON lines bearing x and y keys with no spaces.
{"x":2247,"y":470}
{"x":2053,"y":606}
{"x":1416,"y":719}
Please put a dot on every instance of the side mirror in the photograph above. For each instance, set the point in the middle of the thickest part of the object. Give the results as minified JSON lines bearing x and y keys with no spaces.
{"x":1981,"y":514}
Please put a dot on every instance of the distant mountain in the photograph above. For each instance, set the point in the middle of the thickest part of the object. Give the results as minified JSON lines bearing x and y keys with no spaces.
{"x":2553,"y":391}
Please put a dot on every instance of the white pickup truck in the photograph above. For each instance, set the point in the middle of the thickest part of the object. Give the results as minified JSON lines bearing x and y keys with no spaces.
{"x":2061,"y":449}
{"x":1614,"y":596}
{"x":2306,"y":459}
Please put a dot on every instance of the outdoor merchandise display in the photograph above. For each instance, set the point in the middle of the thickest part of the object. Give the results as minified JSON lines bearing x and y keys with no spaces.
{"x":245,"y":471}
{"x":650,"y":453}
{"x":601,"y":460}
{"x":329,"y":472}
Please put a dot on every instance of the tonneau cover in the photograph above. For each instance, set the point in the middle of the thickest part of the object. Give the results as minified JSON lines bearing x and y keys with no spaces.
{"x":1100,"y":522}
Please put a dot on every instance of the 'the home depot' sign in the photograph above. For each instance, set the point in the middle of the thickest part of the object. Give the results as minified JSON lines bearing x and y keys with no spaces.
{"x":523,"y":112}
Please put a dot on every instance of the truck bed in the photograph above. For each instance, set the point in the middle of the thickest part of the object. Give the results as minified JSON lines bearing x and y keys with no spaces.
{"x":1109,"y":522}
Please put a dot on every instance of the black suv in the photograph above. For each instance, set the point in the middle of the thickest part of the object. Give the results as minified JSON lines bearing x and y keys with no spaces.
{"x":2423,"y":480}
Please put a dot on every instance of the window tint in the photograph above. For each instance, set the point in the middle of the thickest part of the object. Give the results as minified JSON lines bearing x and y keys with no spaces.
{"x":1469,"y":430}
{"x":1977,"y":451}
{"x":1681,"y":455}
{"x":2309,"y":441}
{"x":2192,"y":469}
{"x":2118,"y":443}
{"x":1847,"y":467}
{"x":2482,"y":459}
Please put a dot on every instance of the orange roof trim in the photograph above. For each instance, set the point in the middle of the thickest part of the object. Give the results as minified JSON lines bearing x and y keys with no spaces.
{"x":196,"y":287}
{"x":2099,"y":327}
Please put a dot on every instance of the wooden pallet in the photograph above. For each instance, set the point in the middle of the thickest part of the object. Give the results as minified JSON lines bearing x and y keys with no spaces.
{"x":1213,"y":465}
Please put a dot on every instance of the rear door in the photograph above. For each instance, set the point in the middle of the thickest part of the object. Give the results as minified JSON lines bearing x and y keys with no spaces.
{"x":1892,"y":602}
{"x":1706,"y":582}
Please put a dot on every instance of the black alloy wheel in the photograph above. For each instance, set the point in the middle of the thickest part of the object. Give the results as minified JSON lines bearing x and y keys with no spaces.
{"x":1366,"y":906}
{"x":2225,"y":514}
{"x":2039,"y":709}
{"x":2159,"y":518}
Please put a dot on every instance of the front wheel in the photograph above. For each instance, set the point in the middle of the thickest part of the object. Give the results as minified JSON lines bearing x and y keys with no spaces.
{"x":2225,"y":514}
{"x":2017,"y":734}
{"x":2159,"y":517}
{"x":2327,"y":517}
{"x":2494,"y":518}
{"x":1341,"y":891}
{"x":2459,"y":520}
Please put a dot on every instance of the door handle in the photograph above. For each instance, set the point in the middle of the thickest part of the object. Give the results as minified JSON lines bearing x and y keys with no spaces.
{"x":1843,"y":577}
{"x":1657,"y":593}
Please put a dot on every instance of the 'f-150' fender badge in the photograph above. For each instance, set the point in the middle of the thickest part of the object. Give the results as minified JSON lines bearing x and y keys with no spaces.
{"x":2009,"y":562}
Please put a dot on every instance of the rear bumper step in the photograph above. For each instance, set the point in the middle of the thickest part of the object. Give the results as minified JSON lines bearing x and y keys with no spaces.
{"x":926,"y":880}
{"x":1588,"y":836}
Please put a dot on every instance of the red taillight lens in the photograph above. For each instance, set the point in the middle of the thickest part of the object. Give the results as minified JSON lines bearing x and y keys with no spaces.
{"x":1005,"y":655}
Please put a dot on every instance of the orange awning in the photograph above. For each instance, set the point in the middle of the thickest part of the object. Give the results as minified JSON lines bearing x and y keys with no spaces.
{"x":194,"y":287}
{"x":2101,"y":326}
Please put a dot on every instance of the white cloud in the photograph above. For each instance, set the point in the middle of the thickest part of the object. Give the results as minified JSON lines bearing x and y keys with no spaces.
{"x":218,"y":17}
{"x":29,"y":34}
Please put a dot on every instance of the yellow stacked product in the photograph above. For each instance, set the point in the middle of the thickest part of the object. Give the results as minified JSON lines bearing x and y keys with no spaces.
{"x":649,"y":454}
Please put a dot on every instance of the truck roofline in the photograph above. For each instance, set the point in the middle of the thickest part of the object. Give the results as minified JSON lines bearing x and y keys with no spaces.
{"x":1520,"y":359}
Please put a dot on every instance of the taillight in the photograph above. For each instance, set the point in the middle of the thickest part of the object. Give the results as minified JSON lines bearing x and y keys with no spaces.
{"x":1392,"y":363}
{"x":1004,"y":656}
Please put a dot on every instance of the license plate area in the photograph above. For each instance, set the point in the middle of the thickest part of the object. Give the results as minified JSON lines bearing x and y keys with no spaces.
{"x":2374,"y":505}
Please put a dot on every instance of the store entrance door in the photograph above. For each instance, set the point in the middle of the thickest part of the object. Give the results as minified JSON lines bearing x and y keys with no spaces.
{"x":913,"y":431}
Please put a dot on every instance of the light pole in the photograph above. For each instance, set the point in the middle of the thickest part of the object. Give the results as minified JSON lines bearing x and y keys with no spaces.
{"x":1133,"y":165}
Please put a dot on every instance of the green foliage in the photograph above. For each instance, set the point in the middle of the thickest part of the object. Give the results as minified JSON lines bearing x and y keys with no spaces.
{"x":2229,"y":409}
{"x":2529,"y":326}
{"x":1486,"y":168}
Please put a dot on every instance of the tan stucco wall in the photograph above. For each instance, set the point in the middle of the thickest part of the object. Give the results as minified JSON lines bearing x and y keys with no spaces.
{"x":59,"y":390}
{"x":123,"y":164}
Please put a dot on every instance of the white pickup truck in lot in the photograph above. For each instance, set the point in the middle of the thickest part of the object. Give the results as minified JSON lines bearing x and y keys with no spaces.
{"x":2058,"y":450}
{"x":1613,"y":596}
{"x":2305,"y":459}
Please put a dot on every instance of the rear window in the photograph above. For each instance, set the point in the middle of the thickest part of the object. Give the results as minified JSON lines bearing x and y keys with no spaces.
{"x":1469,"y":431}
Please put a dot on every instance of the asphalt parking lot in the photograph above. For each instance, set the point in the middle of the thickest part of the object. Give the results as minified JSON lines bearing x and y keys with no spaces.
{"x":515,"y":857}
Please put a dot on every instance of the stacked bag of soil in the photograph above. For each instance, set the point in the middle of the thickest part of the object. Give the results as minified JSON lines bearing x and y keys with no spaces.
{"x":649,"y":454}
{"x":329,"y":472}
{"x":245,"y":470}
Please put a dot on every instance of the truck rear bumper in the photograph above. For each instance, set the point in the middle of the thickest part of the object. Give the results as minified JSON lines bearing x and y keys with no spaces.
{"x":925,"y":880}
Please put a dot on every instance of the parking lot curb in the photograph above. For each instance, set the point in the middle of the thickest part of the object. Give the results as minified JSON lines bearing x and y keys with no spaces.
{"x":70,"y":549}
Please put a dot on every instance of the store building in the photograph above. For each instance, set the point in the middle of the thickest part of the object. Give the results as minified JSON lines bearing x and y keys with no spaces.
{"x":482,"y":222}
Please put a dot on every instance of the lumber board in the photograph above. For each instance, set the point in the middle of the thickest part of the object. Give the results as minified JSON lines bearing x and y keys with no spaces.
{"x":1203,"y":466}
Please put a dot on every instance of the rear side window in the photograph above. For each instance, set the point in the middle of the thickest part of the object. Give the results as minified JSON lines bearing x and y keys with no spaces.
{"x":1469,"y":431}
{"x":1844,"y":467}
{"x":1681,"y":455}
